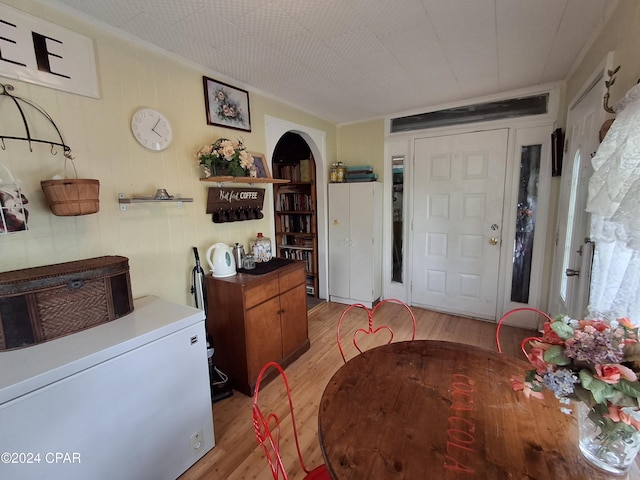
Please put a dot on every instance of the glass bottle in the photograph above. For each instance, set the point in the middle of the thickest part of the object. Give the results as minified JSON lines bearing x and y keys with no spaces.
{"x":333,"y":177}
{"x":341,"y":170}
{"x":261,"y":247}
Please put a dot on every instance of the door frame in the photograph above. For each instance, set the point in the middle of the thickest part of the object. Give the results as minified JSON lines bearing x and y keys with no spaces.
{"x":537,"y":292}
{"x":403,"y":144}
{"x":597,"y":76}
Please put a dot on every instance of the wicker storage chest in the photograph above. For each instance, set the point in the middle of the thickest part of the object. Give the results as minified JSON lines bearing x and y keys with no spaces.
{"x":42,"y":303}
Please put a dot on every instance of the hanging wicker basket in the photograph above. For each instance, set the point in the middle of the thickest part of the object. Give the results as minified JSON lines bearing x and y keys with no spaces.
{"x":72,"y":196}
{"x":66,"y":197}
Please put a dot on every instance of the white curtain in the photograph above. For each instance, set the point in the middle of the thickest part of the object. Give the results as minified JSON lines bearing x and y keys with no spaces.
{"x":614,"y":204}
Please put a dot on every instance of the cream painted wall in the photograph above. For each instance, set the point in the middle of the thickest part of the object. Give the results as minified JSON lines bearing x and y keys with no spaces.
{"x":363,"y":144}
{"x":622,"y":36}
{"x":157,"y":238}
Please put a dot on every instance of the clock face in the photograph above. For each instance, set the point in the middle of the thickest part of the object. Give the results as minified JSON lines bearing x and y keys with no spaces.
{"x":151,"y":129}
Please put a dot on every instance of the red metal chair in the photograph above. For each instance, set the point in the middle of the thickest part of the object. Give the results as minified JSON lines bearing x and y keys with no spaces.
{"x":267,"y":430}
{"x":370,"y":330}
{"x":511,"y":312}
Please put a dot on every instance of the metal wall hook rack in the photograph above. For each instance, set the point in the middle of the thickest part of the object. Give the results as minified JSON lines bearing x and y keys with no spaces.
{"x":608,"y":83}
{"x":20,"y":103}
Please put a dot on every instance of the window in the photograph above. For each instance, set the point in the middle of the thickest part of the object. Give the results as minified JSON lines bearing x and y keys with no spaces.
{"x":482,"y":112}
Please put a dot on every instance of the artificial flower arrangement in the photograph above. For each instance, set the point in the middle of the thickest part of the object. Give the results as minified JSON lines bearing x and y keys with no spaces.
{"x":591,"y":361}
{"x":228,"y":156}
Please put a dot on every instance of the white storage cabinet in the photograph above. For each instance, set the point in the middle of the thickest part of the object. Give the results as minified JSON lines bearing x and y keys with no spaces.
{"x":355,"y":242}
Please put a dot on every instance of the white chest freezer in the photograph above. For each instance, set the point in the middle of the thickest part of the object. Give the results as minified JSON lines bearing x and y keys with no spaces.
{"x":128,"y":399}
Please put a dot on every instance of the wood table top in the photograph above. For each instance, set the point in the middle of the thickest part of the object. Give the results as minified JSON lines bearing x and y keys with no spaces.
{"x":441,"y":410}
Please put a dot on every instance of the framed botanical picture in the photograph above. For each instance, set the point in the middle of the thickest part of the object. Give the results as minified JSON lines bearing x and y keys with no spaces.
{"x":226,"y":106}
{"x":261,"y":165}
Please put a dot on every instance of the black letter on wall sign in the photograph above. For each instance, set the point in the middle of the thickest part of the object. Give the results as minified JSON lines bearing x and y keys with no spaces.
{"x":10,"y":41}
{"x":42,"y":55}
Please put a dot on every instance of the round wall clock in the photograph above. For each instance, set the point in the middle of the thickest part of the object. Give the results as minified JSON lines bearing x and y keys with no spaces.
{"x":151,"y":129}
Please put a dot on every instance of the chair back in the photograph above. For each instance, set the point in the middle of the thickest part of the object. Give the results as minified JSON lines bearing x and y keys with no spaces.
{"x":511,"y":312}
{"x":267,"y":428}
{"x":361,"y":333}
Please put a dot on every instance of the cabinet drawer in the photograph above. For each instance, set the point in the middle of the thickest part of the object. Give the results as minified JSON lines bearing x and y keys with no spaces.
{"x":259,"y":293}
{"x":291,"y":278}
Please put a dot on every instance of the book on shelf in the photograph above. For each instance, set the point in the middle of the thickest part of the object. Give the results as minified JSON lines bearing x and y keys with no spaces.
{"x":297,"y":241}
{"x":294,"y":201}
{"x":297,"y":254}
{"x":305,"y":171}
{"x":296,"y":223}
{"x":297,"y":172}
{"x":290,"y":172}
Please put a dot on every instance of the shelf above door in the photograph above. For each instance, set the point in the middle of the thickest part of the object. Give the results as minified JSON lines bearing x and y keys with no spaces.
{"x":229,"y":179}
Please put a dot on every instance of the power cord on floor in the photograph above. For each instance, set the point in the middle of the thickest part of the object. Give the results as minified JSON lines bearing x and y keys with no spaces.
{"x":223,"y":377}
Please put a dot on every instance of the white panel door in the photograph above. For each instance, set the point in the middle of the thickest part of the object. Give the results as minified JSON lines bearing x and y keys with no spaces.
{"x":458,"y":186}
{"x":574,"y":251}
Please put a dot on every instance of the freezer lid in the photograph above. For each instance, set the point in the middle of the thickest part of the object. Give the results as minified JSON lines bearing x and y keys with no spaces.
{"x":27,"y":369}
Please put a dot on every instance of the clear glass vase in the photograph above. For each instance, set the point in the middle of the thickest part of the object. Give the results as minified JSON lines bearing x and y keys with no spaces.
{"x":610,"y":446}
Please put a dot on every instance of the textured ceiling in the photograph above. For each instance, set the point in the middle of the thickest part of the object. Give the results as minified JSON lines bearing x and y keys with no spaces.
{"x":352,"y":60}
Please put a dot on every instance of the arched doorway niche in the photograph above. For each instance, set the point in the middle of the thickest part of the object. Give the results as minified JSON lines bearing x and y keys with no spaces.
{"x":275,"y":128}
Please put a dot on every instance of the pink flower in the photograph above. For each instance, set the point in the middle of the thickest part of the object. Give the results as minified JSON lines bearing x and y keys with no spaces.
{"x":536,"y":357}
{"x":613,"y":372}
{"x":625,"y":322}
{"x":599,"y":325}
{"x":550,"y":336}
{"x":617,"y":414}
{"x":518,"y":383}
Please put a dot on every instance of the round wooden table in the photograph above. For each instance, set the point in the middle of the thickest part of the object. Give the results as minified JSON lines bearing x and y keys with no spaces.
{"x":441,"y":410}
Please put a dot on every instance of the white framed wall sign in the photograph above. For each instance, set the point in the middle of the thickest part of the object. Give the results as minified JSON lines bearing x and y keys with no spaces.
{"x":36,"y":51}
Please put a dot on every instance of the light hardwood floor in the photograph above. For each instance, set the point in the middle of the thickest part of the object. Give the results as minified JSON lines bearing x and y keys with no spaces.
{"x":237,"y":456}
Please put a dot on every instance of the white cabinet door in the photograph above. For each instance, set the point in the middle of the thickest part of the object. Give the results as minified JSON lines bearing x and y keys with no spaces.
{"x":355,"y":232}
{"x":339,"y":237}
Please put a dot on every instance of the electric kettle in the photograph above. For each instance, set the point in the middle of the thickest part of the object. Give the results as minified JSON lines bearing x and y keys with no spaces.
{"x":221,"y":261}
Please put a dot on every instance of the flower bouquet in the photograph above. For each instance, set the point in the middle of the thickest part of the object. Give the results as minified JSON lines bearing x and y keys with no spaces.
{"x":226,"y":157}
{"x":595,"y":363}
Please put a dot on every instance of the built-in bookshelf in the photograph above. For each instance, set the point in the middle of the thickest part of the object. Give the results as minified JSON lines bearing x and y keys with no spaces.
{"x":296,"y":216}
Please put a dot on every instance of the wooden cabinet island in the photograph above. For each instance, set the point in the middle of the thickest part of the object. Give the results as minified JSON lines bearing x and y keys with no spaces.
{"x":256,"y":318}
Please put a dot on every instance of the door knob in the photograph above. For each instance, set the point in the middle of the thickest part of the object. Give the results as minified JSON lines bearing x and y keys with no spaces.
{"x":570,"y":272}
{"x":493,"y":241}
